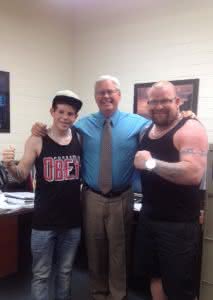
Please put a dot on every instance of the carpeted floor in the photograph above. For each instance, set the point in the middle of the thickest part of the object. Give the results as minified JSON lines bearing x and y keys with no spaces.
{"x":17,"y":287}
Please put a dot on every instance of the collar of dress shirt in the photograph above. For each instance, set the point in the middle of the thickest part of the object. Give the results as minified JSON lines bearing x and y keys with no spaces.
{"x":114,"y":118}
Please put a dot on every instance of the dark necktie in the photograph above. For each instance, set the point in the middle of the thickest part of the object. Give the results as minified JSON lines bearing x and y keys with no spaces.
{"x":105,"y":174}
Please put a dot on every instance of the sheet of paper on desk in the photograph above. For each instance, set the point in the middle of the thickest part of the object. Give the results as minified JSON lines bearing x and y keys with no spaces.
{"x":21,"y":195}
{"x":6,"y":207}
{"x":137,"y":206}
{"x":19,"y":201}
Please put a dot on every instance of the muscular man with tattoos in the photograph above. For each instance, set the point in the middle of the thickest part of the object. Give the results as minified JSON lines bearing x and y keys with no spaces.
{"x":172,"y":160}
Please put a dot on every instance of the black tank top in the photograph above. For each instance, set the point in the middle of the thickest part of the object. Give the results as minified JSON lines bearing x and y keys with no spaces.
{"x":57,"y":195}
{"x":162,"y":199}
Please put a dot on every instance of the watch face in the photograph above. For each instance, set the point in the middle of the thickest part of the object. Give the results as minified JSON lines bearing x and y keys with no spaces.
{"x":150,"y":164}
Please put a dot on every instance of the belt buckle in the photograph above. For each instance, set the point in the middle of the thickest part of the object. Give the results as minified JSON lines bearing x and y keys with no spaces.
{"x":110,"y":194}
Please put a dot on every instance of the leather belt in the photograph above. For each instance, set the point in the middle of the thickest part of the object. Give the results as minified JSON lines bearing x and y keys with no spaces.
{"x":110,"y":194}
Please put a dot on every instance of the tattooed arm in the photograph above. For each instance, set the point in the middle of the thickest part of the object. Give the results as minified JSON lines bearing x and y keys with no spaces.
{"x":192,"y":144}
{"x":31,"y":151}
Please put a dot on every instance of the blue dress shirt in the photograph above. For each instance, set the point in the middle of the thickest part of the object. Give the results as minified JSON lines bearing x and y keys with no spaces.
{"x":126,"y":128}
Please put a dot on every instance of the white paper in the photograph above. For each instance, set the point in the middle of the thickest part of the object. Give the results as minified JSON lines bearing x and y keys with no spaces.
{"x":20,"y":195}
{"x":6,"y":207}
{"x":137,"y":206}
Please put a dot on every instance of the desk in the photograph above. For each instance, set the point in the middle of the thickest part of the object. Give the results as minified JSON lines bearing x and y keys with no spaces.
{"x":8,"y":244}
{"x":15,"y":231}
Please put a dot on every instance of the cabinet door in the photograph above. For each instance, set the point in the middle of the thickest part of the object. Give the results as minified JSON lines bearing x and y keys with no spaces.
{"x":8,"y":245}
{"x":210,"y":173}
{"x":208,"y":225}
{"x":207,"y":261}
{"x":206,"y":291}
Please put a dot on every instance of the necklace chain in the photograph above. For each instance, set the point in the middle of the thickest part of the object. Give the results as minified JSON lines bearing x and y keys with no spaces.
{"x":156,"y":133}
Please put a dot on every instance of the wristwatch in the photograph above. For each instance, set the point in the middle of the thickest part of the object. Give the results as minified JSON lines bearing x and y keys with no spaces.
{"x":150,"y":164}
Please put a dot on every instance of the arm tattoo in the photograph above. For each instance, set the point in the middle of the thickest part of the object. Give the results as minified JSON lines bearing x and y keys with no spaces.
{"x":192,"y":151}
{"x":169,"y":171}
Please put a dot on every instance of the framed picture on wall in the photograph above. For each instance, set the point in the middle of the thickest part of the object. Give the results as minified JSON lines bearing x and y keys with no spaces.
{"x":4,"y":102}
{"x":187,"y":91}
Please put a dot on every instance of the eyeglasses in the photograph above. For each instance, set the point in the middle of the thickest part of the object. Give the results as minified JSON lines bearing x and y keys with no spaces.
{"x":162,"y":102}
{"x":104,"y":92}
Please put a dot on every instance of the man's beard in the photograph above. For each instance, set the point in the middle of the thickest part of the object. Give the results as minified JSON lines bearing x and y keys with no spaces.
{"x":164,"y":120}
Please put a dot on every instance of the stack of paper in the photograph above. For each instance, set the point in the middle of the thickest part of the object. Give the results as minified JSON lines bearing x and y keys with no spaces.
{"x":19,"y":197}
{"x":6,"y":207}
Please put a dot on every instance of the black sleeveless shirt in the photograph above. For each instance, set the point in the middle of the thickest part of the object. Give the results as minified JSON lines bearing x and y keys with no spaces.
{"x":57,"y":195}
{"x":162,"y":199}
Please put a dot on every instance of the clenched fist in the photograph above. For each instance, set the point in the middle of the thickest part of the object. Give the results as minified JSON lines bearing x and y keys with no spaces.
{"x":8,"y":156}
{"x":140,"y":158}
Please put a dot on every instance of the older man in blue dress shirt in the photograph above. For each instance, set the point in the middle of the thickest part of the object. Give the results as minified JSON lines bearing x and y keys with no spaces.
{"x":108,"y":217}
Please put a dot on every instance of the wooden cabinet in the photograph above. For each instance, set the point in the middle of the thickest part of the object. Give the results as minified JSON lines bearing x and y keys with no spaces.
{"x":15,"y":232}
{"x":207,"y":259}
{"x":8,"y":244}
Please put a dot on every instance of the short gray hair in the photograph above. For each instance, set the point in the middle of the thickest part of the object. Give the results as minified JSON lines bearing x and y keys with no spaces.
{"x":111,"y":78}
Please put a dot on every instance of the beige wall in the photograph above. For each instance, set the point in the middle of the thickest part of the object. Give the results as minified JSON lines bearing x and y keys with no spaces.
{"x":37,"y":51}
{"x":148,"y":41}
{"x":165,"y":40}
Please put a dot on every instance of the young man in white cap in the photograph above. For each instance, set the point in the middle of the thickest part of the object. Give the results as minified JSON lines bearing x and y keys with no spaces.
{"x":56,"y":220}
